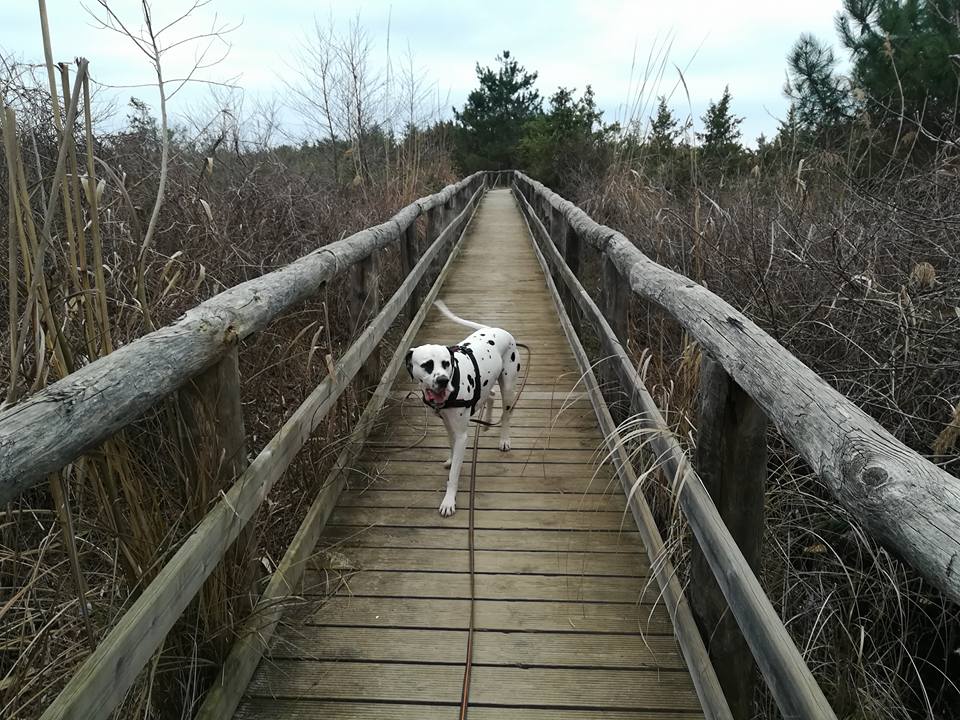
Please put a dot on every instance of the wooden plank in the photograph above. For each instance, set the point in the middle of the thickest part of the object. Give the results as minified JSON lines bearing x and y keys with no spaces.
{"x":53,"y":427}
{"x":486,"y":519}
{"x":446,"y":537}
{"x":487,"y":561}
{"x":499,"y":615}
{"x":902,"y":499}
{"x":490,"y":685}
{"x":299,"y":709}
{"x":731,"y":460}
{"x":498,"y":469}
{"x":489,"y":586}
{"x":490,"y":648}
{"x":557,"y":485}
{"x":551,"y":456}
{"x":485,"y":500}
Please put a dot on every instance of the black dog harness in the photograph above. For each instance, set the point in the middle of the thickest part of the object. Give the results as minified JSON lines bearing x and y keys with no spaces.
{"x":453,"y":401}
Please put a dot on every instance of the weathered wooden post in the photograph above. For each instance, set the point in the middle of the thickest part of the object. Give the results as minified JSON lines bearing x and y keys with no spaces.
{"x":615,"y":304}
{"x":731,"y":459}
{"x":568,"y":244}
{"x":436,"y":218}
{"x":410,"y":252}
{"x":364,"y":305}
{"x":214,"y":451}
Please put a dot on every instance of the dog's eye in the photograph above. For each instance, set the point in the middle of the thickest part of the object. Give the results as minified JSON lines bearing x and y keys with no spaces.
{"x":428,"y":366}
{"x":445,"y":364}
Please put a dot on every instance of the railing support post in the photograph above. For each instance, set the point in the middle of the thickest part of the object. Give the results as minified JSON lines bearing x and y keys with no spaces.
{"x":568,"y":243}
{"x":364,"y":305}
{"x":432,"y":225}
{"x":615,"y":305}
{"x":214,"y":451}
{"x":410,"y":251}
{"x":731,"y":459}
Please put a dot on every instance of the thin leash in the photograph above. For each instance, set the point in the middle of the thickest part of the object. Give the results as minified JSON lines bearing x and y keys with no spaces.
{"x":468,"y":662}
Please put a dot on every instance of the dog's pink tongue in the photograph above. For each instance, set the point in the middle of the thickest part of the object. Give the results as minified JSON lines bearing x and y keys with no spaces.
{"x":432,"y":396}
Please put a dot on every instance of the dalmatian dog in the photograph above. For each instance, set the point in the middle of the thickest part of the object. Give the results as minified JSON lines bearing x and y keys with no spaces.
{"x":456,"y":381}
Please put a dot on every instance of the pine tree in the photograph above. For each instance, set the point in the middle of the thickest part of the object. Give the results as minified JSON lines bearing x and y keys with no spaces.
{"x":904,"y":58}
{"x":819,"y":95}
{"x":491,"y":122}
{"x":567,"y":141}
{"x":663,"y":131}
{"x":720,"y":139}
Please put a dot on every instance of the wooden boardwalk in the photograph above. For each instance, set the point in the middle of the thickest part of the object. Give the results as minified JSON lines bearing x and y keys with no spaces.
{"x":567,"y":624}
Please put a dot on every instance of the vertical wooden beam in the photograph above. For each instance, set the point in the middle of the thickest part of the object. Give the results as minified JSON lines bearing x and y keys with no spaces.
{"x":731,"y":459}
{"x":432,"y":225}
{"x":364,"y":305}
{"x":214,"y":450}
{"x":409,"y":256}
{"x":615,"y":304}
{"x":568,"y":242}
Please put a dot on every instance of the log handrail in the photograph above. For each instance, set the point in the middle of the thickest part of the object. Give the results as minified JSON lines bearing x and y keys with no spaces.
{"x":902,"y":499}
{"x":50,"y":429}
{"x":103,"y":679}
{"x":788,"y":677}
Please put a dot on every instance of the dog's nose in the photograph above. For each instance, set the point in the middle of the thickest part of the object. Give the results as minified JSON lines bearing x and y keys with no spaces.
{"x":442,"y":382}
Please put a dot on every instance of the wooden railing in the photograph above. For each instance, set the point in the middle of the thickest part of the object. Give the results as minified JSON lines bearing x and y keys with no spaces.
{"x":198,"y":354}
{"x":908,"y":503}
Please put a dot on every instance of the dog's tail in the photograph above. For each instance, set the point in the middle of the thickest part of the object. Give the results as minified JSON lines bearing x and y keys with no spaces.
{"x":446,"y":311}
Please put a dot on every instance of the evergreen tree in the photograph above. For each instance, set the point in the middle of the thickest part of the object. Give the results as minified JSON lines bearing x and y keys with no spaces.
{"x":491,"y":123}
{"x":904,"y":57}
{"x":820,"y":99}
{"x":569,"y":140}
{"x":720,"y":139}
{"x":664,"y":129}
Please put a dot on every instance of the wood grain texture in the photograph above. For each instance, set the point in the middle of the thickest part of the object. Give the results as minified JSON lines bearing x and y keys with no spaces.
{"x":53,"y":427}
{"x":901,"y":498}
{"x":111,"y":669}
{"x":731,"y":459}
{"x":787,"y":675}
{"x":567,"y":616}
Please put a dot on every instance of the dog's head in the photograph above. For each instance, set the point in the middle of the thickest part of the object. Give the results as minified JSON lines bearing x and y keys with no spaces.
{"x":429,"y":365}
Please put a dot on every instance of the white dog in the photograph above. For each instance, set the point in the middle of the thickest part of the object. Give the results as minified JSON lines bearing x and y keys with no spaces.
{"x":458,"y":380}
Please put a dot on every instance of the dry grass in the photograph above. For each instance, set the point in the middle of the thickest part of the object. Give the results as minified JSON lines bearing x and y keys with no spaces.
{"x":860,"y":278}
{"x":235,"y":206}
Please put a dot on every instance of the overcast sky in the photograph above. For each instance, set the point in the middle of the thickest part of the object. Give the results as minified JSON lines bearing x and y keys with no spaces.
{"x":603,"y":43}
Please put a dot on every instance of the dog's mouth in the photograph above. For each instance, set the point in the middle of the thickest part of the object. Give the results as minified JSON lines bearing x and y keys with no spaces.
{"x":435,"y":396}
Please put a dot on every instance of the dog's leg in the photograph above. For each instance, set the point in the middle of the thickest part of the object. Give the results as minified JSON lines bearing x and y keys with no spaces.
{"x":450,"y":438}
{"x":459,"y":424}
{"x":508,"y":383}
{"x":488,"y":410}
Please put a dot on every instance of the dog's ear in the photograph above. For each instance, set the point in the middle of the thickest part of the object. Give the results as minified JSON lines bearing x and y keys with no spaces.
{"x":408,"y":361}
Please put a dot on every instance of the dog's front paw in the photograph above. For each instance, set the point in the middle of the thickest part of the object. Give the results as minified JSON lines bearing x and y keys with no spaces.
{"x":504,"y":444}
{"x":447,"y":463}
{"x":449,"y":506}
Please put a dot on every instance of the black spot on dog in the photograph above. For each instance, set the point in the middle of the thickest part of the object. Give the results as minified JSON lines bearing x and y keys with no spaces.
{"x":513,"y":356}
{"x":465,"y":344}
{"x":508,"y":407}
{"x":490,"y":342}
{"x":518,"y":367}
{"x":428,"y":366}
{"x":483,"y":335}
{"x":485,"y":382}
